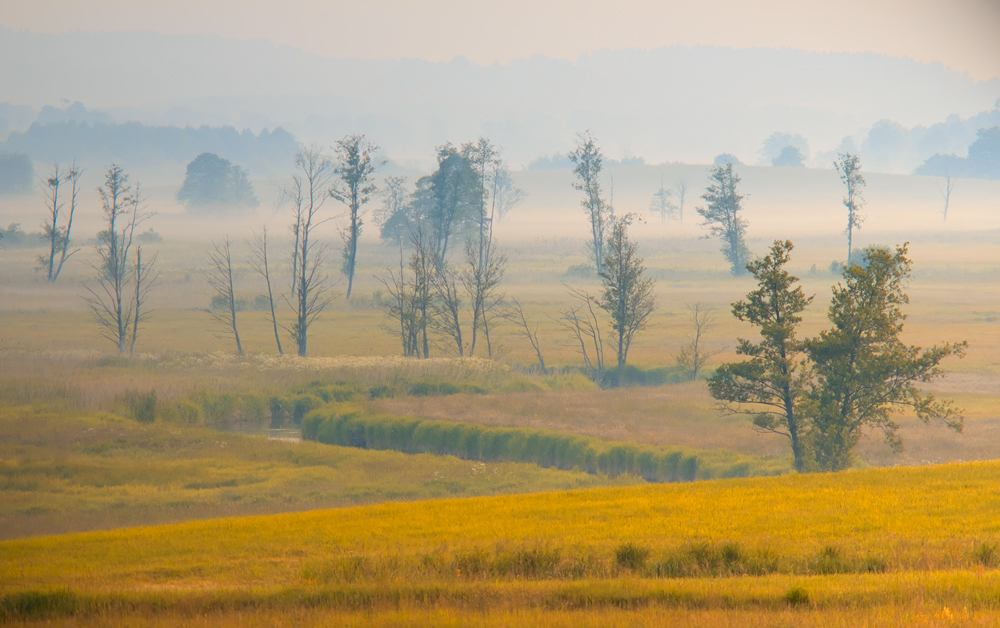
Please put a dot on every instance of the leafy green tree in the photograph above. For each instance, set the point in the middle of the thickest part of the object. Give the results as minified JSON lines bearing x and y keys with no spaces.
{"x":789,"y":157}
{"x":457,"y":197}
{"x":721,"y":216}
{"x":356,"y":162}
{"x":626,"y":295}
{"x":587,"y":161}
{"x":772,"y":385}
{"x":849,"y":168}
{"x":213,"y":182}
{"x":864,"y":372}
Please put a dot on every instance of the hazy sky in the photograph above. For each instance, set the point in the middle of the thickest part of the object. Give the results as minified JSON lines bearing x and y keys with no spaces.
{"x":962,"y":34}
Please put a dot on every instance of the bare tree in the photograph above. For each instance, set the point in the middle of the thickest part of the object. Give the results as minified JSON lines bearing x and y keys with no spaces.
{"x":122,"y":286}
{"x":58,"y":237}
{"x":949,"y":185}
{"x":310,"y":292}
{"x":446,"y":307}
{"x":581,"y":322}
{"x":481,"y":280}
{"x":587,"y":159}
{"x":145,"y":278}
{"x":681,"y":187}
{"x":515,"y":314}
{"x":693,"y":356}
{"x":485,"y":265}
{"x":849,"y":168}
{"x":506,"y":195}
{"x":393,"y":200}
{"x":357,"y":161}
{"x":259,"y":263}
{"x":663,"y":203}
{"x":400,"y":307}
{"x":220,"y":278}
{"x":409,"y":302}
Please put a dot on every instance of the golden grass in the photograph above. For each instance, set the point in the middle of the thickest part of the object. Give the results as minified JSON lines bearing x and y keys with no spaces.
{"x":931,"y":531}
{"x":927,"y":519}
{"x":906,"y":599}
{"x":64,"y":471}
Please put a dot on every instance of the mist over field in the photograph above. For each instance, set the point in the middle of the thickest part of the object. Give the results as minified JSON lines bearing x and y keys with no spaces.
{"x":529,"y":314}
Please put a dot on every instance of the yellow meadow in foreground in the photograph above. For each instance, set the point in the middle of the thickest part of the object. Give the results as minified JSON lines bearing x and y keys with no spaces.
{"x":879,"y":521}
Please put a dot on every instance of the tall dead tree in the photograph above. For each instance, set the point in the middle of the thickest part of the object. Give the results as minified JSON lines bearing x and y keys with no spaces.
{"x":410,"y":294}
{"x":310,"y":291}
{"x":145,"y":278}
{"x":116,"y":302}
{"x":949,"y":185}
{"x":681,"y":187}
{"x":446,"y":308}
{"x":515,"y":314}
{"x":220,"y":278}
{"x":662,"y":203}
{"x":692,"y":357}
{"x":506,"y":195}
{"x":56,"y":235}
{"x":581,"y":322}
{"x":259,"y":263}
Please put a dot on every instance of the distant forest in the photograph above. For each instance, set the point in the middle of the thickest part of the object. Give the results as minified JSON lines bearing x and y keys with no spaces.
{"x":265,"y":154}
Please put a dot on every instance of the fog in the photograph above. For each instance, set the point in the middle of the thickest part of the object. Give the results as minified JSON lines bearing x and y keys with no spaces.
{"x":530,"y":253}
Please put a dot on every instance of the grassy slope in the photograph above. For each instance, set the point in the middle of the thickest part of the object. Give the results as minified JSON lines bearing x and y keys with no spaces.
{"x":65,"y":471}
{"x":914,"y":518}
{"x":927,"y":527}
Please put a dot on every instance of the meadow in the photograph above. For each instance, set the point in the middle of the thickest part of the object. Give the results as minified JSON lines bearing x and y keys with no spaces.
{"x":878,"y":545}
{"x":265,"y":529}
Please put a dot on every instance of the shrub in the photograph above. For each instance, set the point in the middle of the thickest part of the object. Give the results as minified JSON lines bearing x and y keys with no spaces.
{"x":986,"y":554}
{"x":38,"y":605}
{"x":302,"y":405}
{"x":139,"y":406}
{"x":278,"y":411}
{"x":347,"y":426}
{"x":797,"y":596}
{"x":830,"y":561}
{"x":181,"y":413}
{"x":631,"y":556}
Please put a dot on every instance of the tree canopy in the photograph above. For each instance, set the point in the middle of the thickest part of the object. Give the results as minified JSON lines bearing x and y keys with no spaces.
{"x":213,"y":182}
{"x":626,"y":293}
{"x":721,"y":216}
{"x":823,"y":392}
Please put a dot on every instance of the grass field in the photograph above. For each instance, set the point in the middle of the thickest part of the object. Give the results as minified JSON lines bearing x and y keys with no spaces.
{"x":64,"y":471}
{"x":889,"y":543}
{"x":252,"y":540}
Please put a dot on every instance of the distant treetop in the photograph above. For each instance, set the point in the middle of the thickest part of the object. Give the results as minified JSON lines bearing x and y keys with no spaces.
{"x":726,"y":158}
{"x":982,"y":162}
{"x":213,"y":182}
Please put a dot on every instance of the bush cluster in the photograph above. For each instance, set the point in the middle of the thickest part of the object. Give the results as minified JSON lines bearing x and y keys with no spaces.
{"x":348,"y":426}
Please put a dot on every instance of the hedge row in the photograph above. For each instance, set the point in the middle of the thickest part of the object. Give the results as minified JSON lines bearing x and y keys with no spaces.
{"x":349,"y":427}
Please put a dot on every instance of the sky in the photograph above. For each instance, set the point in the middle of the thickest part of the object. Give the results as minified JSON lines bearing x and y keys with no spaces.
{"x":961,"y":34}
